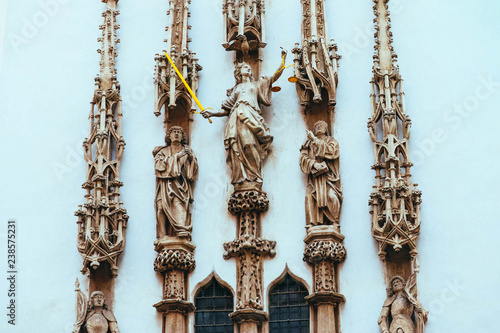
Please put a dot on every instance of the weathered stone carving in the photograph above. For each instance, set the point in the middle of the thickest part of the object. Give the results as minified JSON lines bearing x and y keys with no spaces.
{"x":248,"y":201}
{"x":93,"y":316}
{"x":247,"y":141}
{"x":251,"y":243}
{"x":169,"y":89}
{"x":176,"y":169}
{"x":324,"y":277}
{"x":320,"y":251}
{"x":316,"y":62}
{"x":401,"y":313}
{"x":244,"y":26}
{"x":174,"y":259}
{"x":395,"y":200}
{"x":102,"y":220}
{"x":249,"y":292}
{"x":247,"y":137}
{"x":319,"y":159}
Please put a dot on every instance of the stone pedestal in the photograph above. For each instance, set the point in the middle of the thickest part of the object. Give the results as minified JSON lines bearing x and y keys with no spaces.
{"x":249,"y":321}
{"x":249,"y":249}
{"x":174,"y":261}
{"x":324,"y":251}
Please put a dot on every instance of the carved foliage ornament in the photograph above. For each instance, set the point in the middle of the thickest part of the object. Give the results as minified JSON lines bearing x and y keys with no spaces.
{"x":248,"y":201}
{"x":249,"y":243}
{"x":174,"y":260}
{"x":324,"y":251}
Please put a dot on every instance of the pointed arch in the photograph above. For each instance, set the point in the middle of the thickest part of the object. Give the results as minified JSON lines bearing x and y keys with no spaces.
{"x":214,"y":301}
{"x":288,"y":308}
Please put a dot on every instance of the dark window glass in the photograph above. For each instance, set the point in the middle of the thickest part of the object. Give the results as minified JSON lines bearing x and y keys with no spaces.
{"x":288,"y":309}
{"x":214,"y":303}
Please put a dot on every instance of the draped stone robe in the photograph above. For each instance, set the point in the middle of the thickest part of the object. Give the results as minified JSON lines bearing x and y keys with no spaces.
{"x":174,"y":192}
{"x":247,"y":137}
{"x":324,"y":191}
{"x":100,"y":322}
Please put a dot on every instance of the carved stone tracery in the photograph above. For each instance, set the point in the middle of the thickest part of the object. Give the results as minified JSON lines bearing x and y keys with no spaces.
{"x":169,"y":89}
{"x":316,"y":60}
{"x":102,"y":219}
{"x":395,"y":200}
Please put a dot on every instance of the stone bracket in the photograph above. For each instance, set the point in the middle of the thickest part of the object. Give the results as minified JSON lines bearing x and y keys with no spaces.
{"x":325,"y":297}
{"x":174,"y":305}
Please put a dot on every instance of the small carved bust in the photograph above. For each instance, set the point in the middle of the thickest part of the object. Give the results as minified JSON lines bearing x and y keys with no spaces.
{"x":99,"y":319}
{"x":319,"y":159}
{"x":176,"y":170}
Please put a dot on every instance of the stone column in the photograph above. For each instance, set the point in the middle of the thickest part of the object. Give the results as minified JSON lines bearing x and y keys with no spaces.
{"x":249,"y":249}
{"x":174,"y":262}
{"x":324,"y":251}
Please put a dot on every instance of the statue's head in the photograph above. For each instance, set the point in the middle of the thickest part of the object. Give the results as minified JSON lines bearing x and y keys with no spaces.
{"x":397,"y":284}
{"x":97,"y":300}
{"x":243,"y":69}
{"x":175,"y":134}
{"x":320,"y":127}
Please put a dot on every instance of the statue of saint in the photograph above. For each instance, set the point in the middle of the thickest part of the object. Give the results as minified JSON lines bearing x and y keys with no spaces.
{"x":247,"y":138}
{"x":176,"y":169}
{"x":401,"y":313}
{"x":98,"y":319}
{"x":319,"y":159}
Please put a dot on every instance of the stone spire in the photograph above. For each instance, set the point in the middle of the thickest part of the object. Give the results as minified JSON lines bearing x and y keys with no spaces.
{"x":102,"y":219}
{"x":395,"y":200}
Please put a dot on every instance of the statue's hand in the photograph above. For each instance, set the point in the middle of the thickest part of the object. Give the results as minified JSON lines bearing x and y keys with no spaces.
{"x":189,"y":153}
{"x":206,"y":114}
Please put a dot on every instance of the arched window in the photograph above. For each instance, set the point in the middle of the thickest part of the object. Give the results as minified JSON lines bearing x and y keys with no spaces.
{"x":288,"y":309}
{"x":214,"y":303}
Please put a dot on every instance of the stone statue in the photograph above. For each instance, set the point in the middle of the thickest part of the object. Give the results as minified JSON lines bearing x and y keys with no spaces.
{"x":176,"y":169}
{"x":401,"y":313}
{"x":247,"y":137}
{"x":319,"y":159}
{"x":96,"y":318}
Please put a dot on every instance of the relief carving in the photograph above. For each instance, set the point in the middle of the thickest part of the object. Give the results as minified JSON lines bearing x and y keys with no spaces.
{"x":401,"y":313}
{"x":247,"y":137}
{"x":249,"y":291}
{"x":176,"y":169}
{"x":324,"y":277}
{"x":174,"y":285}
{"x":93,"y":316}
{"x":319,"y":159}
